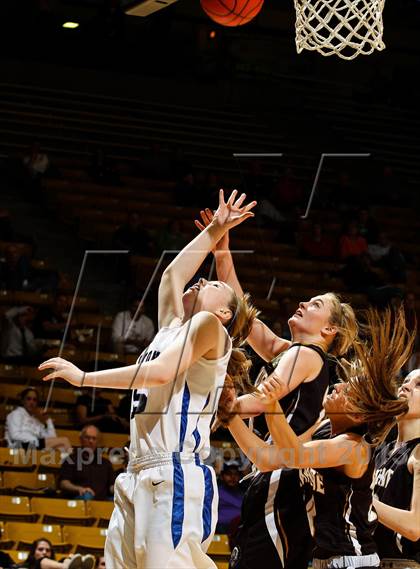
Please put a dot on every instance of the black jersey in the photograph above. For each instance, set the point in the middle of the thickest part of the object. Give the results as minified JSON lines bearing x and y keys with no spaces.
{"x":274,"y":529}
{"x":340,"y":511}
{"x":393,"y":485}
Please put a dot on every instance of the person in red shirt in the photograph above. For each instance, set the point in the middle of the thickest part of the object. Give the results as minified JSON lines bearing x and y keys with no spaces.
{"x":352,"y":244}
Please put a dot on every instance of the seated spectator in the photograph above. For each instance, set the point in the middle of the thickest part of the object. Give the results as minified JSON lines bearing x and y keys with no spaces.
{"x":18,"y":344}
{"x":29,"y":427}
{"x":287,"y":192}
{"x":50,"y":321}
{"x":15,"y":270}
{"x":317,"y":245}
{"x":36,"y":162}
{"x":133,"y":237}
{"x":360,"y":276}
{"x":42,"y":556}
{"x":99,"y":412}
{"x":388,"y":257}
{"x":351,"y":243}
{"x":100,"y":563}
{"x":170,"y":237}
{"x":86,"y":474}
{"x":132,"y":330}
{"x":6,"y":562}
{"x":368,"y":228}
{"x":230,"y":497}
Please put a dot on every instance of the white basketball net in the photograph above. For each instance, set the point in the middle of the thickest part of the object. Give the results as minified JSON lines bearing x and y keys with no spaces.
{"x":346,"y":28}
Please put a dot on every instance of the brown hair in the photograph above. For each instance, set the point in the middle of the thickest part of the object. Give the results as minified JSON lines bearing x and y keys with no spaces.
{"x":374,"y":375}
{"x":237,"y":379}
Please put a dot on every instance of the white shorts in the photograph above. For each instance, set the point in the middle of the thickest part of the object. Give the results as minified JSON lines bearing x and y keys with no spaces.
{"x":164,"y":517}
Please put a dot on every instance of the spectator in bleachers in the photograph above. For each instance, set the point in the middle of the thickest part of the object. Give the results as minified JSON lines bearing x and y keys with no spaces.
{"x":132,"y":330}
{"x":133,"y":237}
{"x":86,"y":473}
{"x":51,"y":320}
{"x":368,"y":228}
{"x":386,"y":256}
{"x":36,"y":162}
{"x":28,"y":426}
{"x":230,"y":496}
{"x":318,"y":245}
{"x":6,"y":562}
{"x":42,"y":556}
{"x":18,"y":344}
{"x":100,"y":563}
{"x":98,"y":411}
{"x":360,"y":276}
{"x":352,"y":244}
{"x":15,"y":270}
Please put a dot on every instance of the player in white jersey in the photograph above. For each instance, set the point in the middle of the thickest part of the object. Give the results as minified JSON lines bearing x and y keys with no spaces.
{"x":166,"y":504}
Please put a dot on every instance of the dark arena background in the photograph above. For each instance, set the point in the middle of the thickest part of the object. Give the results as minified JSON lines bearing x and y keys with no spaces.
{"x":119,"y":122}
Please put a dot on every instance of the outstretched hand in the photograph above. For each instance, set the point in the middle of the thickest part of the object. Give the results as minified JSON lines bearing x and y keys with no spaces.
{"x":207,"y":217}
{"x":64,"y":370}
{"x":232,"y":213}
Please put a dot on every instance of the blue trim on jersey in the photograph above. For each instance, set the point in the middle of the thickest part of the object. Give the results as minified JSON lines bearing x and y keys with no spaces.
{"x":177,"y":520}
{"x":208,"y":498}
{"x":196,"y":433}
{"x":184,"y":416}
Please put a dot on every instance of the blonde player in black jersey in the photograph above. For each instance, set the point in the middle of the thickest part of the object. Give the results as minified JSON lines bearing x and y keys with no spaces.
{"x":273,"y":523}
{"x":397,"y":486}
{"x":336,"y":473}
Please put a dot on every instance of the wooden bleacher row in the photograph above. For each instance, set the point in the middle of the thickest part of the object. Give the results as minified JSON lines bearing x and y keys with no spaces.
{"x":80,"y":539}
{"x":14,"y":298}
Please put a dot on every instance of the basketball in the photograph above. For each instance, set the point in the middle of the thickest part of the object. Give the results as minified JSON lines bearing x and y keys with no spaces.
{"x":232,"y":12}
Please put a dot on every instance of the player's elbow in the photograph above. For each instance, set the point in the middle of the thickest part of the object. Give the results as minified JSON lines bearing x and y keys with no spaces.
{"x":413,"y":531}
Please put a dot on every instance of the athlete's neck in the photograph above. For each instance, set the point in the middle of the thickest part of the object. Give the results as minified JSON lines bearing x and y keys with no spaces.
{"x":341,"y":423}
{"x":302,"y":338}
{"x":408,"y":429}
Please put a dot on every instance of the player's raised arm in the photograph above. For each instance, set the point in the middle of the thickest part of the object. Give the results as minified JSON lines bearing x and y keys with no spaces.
{"x":185,"y":265}
{"x":204,"y":337}
{"x":262,"y":339}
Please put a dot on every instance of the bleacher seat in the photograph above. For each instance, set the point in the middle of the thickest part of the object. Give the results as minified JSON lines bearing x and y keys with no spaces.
{"x":16,"y":508}
{"x":87,"y":540}
{"x":23,"y":534}
{"x":52,"y":510}
{"x":219,"y":546}
{"x":16,"y":459}
{"x":29,"y":480}
{"x":100,"y":510}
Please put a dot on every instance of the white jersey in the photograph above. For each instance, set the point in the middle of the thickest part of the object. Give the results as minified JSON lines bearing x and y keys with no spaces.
{"x":176,"y":417}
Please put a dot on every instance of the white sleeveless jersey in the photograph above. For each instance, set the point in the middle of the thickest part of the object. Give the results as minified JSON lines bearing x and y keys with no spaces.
{"x":176,"y":417}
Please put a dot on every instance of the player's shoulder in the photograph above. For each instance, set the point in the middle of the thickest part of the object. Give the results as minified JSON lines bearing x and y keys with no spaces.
{"x":206,"y":320}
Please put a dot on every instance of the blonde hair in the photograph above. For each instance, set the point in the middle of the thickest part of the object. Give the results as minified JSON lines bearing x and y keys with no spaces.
{"x":344,"y":319}
{"x":237,"y":378}
{"x":374,"y":374}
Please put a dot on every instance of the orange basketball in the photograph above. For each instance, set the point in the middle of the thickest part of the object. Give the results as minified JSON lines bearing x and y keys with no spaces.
{"x":232,"y":12}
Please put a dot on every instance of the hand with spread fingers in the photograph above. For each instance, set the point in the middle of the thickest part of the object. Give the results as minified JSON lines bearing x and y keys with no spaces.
{"x":64,"y":370}
{"x":231,"y":213}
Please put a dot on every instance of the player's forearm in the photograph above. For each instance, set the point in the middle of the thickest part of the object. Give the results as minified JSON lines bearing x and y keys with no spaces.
{"x":404,"y":522}
{"x":264,"y":456}
{"x":149,"y":374}
{"x":188,"y":261}
{"x":281,"y":432}
{"x":226,"y":270}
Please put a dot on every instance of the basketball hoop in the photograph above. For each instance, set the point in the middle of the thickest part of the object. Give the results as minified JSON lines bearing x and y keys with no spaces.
{"x":346,"y":28}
